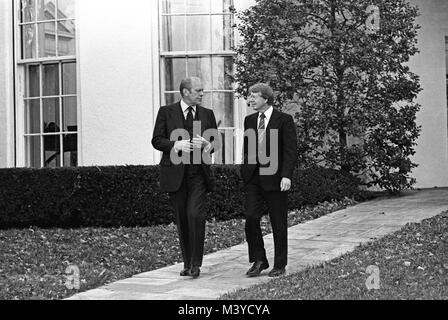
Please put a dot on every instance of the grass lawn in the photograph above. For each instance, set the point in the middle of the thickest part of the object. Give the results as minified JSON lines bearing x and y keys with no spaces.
{"x":34,"y":261}
{"x":413,"y":264}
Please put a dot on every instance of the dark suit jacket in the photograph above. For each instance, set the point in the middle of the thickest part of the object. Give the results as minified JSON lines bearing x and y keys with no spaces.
{"x":169,"y":119}
{"x":287,"y":150}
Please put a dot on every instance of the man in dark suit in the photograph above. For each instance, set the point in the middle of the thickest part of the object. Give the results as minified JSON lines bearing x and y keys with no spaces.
{"x":268,"y":164}
{"x":179,"y":133}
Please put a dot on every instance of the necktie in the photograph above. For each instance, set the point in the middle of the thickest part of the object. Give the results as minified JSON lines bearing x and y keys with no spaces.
{"x":189,"y":122}
{"x":261,"y":128}
{"x":190,"y":117}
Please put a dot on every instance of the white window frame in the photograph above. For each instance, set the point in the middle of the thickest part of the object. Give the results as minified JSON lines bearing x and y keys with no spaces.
{"x":20,"y":84}
{"x":195,"y":54}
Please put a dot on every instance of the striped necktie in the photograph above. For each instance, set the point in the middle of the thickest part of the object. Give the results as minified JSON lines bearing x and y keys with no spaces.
{"x":261,"y":128}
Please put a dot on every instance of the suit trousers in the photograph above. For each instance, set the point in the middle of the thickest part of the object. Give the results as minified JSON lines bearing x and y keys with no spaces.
{"x":189,"y":209}
{"x":277,"y":204}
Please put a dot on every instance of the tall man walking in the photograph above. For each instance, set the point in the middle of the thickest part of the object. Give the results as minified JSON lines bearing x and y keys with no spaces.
{"x":187,"y":182}
{"x":275,"y":140}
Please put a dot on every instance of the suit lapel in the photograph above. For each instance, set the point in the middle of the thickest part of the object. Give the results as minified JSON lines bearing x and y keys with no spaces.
{"x":199,"y":114}
{"x":252,"y":123}
{"x":273,"y":122}
{"x":272,"y":125}
{"x":178,"y":117}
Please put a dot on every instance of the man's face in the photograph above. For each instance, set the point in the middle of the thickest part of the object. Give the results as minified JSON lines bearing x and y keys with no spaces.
{"x":257,"y":102}
{"x":194,"y":96}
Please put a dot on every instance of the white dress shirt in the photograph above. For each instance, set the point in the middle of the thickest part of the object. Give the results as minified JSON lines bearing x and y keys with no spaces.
{"x":185,"y":109}
{"x":268,"y":114}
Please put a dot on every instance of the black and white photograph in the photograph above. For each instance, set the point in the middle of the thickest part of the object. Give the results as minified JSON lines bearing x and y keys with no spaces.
{"x":224,"y":155}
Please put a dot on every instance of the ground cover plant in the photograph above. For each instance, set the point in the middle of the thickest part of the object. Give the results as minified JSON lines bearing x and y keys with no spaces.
{"x":413,"y":264}
{"x":34,"y":261}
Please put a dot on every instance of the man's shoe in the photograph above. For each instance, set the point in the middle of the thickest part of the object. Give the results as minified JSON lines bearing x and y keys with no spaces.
{"x":256,"y":268}
{"x":185,"y":272}
{"x":194,"y":272}
{"x":276,"y":272}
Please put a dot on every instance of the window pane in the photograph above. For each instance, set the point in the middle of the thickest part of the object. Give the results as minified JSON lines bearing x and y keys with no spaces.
{"x":52,"y":151}
{"x":446,"y":56}
{"x":66,"y":38}
{"x":33,"y":81}
{"x":27,"y":10}
{"x":46,"y":9}
{"x":222,"y":32}
{"x":70,"y":150}
{"x":69,"y":78}
{"x":50,"y":112}
{"x":198,"y":33}
{"x":223,"y":108}
{"x":47,"y":40}
{"x":32,"y":116}
{"x":207,"y":100}
{"x":173,"y":6}
{"x":173,"y":33}
{"x":171,"y":98}
{"x":28,"y":41}
{"x":201,"y":68}
{"x":50,"y":79}
{"x":199,"y":6}
{"x":32,"y":145}
{"x":69,"y":114}
{"x":175,"y":70}
{"x":221,"y":5}
{"x":222,"y":73}
{"x":66,"y":9}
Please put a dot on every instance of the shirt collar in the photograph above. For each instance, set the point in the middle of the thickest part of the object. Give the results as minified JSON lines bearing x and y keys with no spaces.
{"x":267,"y":113}
{"x":185,"y":106}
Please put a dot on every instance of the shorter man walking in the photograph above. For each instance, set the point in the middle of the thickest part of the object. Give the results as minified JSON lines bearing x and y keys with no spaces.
{"x":276,"y":138}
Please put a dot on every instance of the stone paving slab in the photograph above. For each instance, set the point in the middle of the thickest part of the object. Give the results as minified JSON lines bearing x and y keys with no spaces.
{"x":310,"y":243}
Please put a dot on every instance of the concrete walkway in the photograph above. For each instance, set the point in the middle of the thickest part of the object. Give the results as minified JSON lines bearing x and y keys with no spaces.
{"x":310,"y":243}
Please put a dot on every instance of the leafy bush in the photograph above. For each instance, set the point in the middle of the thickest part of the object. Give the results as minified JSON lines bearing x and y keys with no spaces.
{"x":351,"y":86}
{"x":130,"y":196}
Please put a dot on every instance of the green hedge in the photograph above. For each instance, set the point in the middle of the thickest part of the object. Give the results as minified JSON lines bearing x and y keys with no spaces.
{"x":130,"y":195}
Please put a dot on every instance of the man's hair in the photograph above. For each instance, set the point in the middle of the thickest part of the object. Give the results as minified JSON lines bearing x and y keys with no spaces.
{"x":187,"y":83}
{"x":265,"y":91}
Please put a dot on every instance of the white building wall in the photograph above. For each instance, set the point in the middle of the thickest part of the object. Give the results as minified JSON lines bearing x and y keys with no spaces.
{"x":118,"y":82}
{"x":429,"y":64}
{"x":6,"y":85}
{"x":118,"y":77}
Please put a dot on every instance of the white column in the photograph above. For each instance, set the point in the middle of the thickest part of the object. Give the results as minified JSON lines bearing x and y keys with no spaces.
{"x":6,"y":85}
{"x":429,"y":64}
{"x":118,"y":79}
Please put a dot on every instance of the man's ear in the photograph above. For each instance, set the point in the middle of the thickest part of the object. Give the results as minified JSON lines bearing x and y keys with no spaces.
{"x":186,"y":92}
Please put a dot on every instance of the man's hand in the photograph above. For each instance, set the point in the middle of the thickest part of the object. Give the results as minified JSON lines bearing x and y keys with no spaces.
{"x":285,"y":185}
{"x":199,"y":143}
{"x":183,"y":145}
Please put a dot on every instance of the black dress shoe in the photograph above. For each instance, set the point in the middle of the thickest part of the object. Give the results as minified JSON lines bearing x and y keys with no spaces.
{"x":194,"y":272}
{"x":256,"y":268}
{"x":277,"y":272}
{"x":185,"y":272}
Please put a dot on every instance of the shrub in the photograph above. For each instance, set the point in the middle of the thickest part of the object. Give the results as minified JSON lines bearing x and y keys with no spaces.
{"x":343,"y":79}
{"x":130,"y":195}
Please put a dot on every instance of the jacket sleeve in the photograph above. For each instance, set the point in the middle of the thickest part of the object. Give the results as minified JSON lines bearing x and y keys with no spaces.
{"x":289,"y":148}
{"x":160,"y":139}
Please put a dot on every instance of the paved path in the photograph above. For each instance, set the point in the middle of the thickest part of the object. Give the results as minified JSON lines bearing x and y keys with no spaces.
{"x":310,"y":243}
